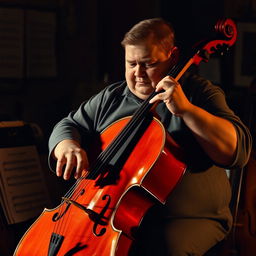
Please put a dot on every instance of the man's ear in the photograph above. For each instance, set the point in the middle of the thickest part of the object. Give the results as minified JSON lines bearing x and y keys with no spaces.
{"x":174,"y":54}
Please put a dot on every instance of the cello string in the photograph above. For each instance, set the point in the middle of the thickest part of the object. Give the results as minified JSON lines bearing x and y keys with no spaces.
{"x":75,"y":189}
{"x":78,"y":188}
{"x":102,"y":159}
{"x":137,"y":117}
{"x":108,"y":153}
{"x":111,"y":150}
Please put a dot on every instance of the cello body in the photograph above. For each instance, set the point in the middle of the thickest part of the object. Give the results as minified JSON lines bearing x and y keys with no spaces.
{"x":102,"y":219}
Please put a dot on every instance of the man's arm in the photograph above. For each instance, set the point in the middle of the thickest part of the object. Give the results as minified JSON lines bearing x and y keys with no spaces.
{"x":217,"y":136}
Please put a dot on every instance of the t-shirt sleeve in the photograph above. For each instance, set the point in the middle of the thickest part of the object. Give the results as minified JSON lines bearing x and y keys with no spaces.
{"x":77,"y":126}
{"x":212,"y":98}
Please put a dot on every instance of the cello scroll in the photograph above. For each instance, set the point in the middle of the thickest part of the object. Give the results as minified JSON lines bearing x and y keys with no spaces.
{"x":226,"y":35}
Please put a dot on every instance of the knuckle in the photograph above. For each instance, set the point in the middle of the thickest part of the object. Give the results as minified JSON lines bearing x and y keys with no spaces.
{"x":79,"y":150}
{"x":70,"y":150}
{"x":81,"y":162}
{"x":61,"y":160}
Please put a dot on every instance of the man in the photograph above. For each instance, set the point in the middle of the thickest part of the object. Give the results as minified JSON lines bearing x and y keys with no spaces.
{"x":195,"y":114}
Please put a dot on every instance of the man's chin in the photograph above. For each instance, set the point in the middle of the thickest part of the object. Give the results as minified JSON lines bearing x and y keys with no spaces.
{"x":143,"y":93}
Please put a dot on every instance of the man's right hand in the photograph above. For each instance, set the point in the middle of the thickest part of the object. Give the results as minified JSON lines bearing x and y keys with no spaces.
{"x":70,"y":157}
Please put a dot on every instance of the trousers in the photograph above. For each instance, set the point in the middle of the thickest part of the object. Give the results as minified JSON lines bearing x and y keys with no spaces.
{"x":177,"y":237}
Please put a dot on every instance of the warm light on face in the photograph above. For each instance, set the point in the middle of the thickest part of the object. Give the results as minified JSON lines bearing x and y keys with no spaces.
{"x":145,"y":65}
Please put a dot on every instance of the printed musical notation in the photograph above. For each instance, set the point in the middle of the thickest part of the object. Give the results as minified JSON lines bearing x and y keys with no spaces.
{"x":23,"y":190}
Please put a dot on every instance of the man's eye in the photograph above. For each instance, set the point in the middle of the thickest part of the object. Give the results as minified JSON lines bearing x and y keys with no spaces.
{"x":151,"y":65}
{"x":132,"y":64}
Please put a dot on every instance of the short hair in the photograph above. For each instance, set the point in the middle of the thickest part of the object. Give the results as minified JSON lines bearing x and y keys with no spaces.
{"x":156,"y":29}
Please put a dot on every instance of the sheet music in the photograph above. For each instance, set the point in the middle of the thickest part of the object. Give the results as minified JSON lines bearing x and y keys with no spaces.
{"x":23,"y":190}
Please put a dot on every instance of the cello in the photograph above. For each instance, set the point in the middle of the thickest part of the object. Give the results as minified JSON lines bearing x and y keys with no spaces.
{"x":102,"y":211}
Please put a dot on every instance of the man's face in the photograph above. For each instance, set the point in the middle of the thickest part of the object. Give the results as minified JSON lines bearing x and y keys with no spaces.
{"x":145,"y":65}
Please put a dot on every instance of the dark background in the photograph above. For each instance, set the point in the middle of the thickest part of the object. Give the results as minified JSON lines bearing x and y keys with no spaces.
{"x":89,"y":56}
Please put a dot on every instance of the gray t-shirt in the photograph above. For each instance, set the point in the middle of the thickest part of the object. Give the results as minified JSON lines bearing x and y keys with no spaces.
{"x":204,"y":191}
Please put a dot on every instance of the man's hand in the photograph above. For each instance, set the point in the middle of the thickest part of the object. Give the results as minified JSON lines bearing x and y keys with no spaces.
{"x":70,"y":156}
{"x":172,"y":95}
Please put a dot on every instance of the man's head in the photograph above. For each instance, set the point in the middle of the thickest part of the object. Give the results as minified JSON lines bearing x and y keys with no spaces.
{"x":156,"y":30}
{"x":148,"y":49}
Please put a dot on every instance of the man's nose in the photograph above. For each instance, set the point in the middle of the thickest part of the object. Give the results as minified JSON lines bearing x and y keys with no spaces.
{"x":140,"y":70}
